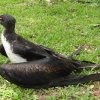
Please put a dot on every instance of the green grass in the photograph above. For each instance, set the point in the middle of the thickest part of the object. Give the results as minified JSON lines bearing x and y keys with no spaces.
{"x":61,"y":26}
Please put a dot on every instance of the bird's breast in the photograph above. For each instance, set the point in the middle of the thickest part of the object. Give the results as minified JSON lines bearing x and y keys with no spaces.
{"x":14,"y":58}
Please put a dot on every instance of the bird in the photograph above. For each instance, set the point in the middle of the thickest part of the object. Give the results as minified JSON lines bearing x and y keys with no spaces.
{"x":35,"y":66}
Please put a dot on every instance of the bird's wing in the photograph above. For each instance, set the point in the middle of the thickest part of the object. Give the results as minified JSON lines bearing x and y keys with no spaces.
{"x":29,"y":50}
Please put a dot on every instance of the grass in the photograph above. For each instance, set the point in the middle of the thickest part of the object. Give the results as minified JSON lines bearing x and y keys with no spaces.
{"x":61,"y":26}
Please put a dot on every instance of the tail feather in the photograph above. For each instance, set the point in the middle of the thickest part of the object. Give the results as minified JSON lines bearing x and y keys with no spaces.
{"x":79,"y":64}
{"x":95,"y":66}
{"x":77,"y":52}
{"x":80,"y":79}
{"x":85,"y":65}
{"x":74,"y":80}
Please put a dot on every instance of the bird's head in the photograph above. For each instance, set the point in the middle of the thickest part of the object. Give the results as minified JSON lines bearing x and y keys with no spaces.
{"x":7,"y":21}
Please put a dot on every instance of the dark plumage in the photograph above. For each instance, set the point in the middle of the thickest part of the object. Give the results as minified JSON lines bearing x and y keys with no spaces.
{"x":40,"y":67}
{"x":44,"y":73}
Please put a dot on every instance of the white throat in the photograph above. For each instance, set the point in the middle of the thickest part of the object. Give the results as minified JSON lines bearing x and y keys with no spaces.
{"x":14,"y":58}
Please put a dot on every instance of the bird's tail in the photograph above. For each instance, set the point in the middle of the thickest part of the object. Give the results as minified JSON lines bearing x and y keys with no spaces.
{"x":77,"y":80}
{"x":82,"y":64}
{"x":73,"y":80}
{"x":79,"y":64}
{"x":85,"y":65}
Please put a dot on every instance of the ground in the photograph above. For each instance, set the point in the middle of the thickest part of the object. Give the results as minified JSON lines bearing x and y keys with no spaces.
{"x":61,"y":26}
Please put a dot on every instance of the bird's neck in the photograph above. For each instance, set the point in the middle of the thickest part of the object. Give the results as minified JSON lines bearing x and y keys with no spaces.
{"x":10,"y":30}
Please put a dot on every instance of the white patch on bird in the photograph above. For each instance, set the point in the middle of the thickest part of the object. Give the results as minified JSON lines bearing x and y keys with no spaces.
{"x":14,"y":58}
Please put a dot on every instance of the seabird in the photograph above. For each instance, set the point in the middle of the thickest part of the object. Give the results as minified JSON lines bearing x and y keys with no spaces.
{"x":37,"y":66}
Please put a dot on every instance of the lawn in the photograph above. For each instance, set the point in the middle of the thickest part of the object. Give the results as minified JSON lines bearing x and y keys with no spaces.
{"x":61,"y":26}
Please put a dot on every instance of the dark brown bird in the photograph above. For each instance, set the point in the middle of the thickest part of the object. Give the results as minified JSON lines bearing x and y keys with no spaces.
{"x":37,"y":66}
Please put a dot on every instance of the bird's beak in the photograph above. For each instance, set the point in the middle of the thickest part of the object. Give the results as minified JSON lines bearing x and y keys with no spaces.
{"x":0,"y":18}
